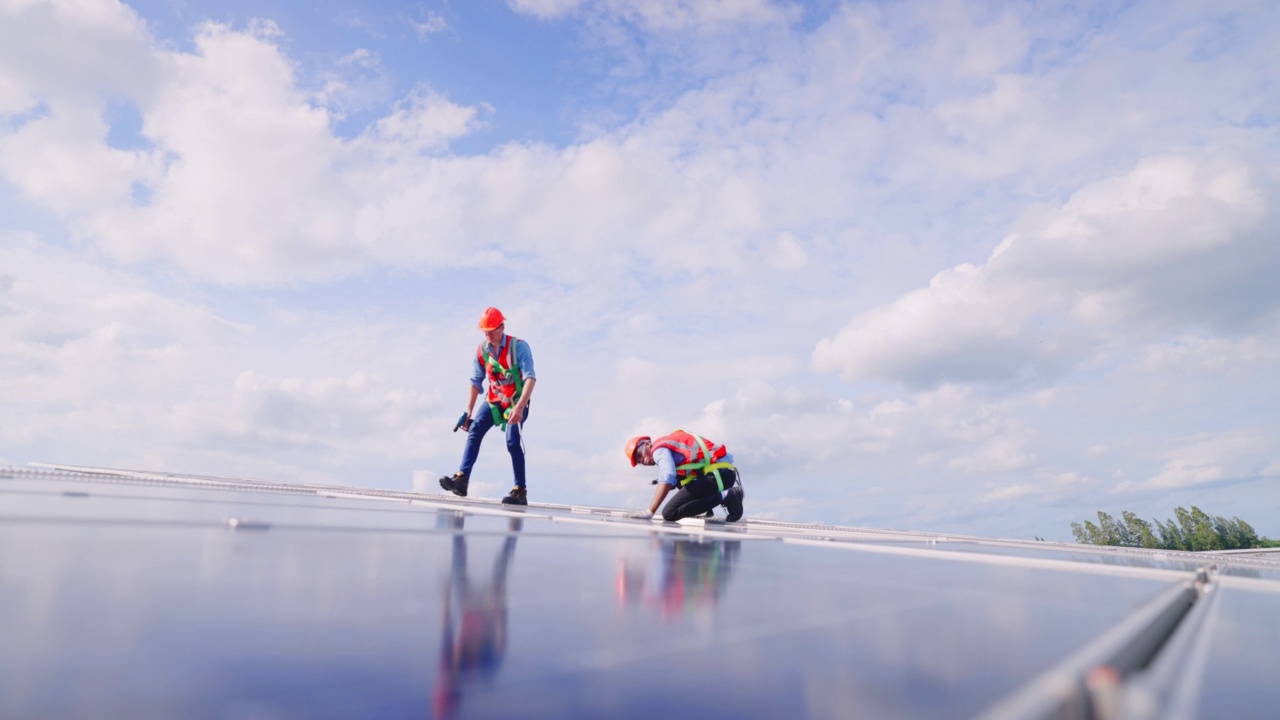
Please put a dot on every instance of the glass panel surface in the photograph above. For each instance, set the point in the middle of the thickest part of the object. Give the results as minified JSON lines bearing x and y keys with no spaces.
{"x":1240,"y":675}
{"x":148,"y":605}
{"x":1114,"y":558}
{"x":1246,"y":567}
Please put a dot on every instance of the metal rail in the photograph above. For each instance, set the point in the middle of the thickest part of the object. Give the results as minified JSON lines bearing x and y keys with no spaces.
{"x":1140,"y":669}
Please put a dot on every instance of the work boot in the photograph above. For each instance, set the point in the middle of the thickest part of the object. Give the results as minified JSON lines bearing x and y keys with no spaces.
{"x":517,"y":496}
{"x":733,"y":503}
{"x":456,"y":483}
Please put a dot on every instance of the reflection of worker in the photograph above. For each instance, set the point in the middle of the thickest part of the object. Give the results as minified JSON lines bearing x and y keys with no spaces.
{"x":474,"y":633}
{"x":692,"y":575}
{"x":507,"y":364}
{"x":702,"y":470}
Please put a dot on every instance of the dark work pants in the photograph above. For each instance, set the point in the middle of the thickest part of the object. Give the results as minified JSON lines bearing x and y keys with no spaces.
{"x":481,"y":423}
{"x":699,"y":496}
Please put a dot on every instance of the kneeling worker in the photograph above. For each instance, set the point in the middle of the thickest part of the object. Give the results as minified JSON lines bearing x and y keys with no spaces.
{"x":702,"y":470}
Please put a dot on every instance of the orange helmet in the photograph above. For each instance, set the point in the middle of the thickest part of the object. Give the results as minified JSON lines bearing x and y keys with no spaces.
{"x":491,"y":318}
{"x":632,"y":444}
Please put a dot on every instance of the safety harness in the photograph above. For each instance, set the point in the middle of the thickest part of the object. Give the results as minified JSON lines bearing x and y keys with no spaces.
{"x":501,"y":379}
{"x":694,"y":470}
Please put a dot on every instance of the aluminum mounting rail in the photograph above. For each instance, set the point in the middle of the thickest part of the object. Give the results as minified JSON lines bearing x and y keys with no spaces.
{"x":1143,"y":668}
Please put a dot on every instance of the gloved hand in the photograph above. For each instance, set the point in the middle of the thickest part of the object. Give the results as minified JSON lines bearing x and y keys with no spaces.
{"x":640,"y":515}
{"x":464,"y":423}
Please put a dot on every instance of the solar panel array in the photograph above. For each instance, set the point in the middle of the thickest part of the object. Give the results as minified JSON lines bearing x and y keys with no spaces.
{"x":128,"y":594}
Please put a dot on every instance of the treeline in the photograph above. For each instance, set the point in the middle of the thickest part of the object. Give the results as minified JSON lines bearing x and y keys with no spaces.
{"x":1192,"y":530}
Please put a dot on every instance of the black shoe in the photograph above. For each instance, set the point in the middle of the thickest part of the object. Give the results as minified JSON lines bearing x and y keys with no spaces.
{"x":733,"y":503}
{"x":456,"y":483}
{"x":517,"y":496}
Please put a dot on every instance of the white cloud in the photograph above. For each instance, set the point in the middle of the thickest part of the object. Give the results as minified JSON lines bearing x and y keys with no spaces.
{"x":247,"y":182}
{"x":1065,"y":277}
{"x":999,"y":455}
{"x":1205,"y":459}
{"x":674,"y":268}
{"x":425,"y":122}
{"x":61,"y":161}
{"x":429,"y":23}
{"x":66,"y":44}
{"x":546,"y":8}
{"x":319,"y":415}
{"x":92,"y":340}
{"x":788,"y":252}
{"x":659,"y":15}
{"x":1045,"y":485}
{"x":1180,"y":473}
{"x":356,"y":81}
{"x":141,"y":378}
{"x":1191,"y":355}
{"x":1009,"y":492}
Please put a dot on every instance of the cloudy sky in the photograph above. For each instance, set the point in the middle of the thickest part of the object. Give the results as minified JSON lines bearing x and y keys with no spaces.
{"x":957,"y":266}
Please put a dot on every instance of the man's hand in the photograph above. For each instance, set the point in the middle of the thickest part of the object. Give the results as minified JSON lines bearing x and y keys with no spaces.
{"x":517,"y":412}
{"x":464,"y":423}
{"x":641,"y":515}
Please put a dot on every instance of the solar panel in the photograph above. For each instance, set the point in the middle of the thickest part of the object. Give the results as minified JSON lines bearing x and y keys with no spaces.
{"x":148,"y":595}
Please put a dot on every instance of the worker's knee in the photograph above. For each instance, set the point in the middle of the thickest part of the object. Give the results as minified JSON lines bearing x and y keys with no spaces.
{"x":669,"y":514}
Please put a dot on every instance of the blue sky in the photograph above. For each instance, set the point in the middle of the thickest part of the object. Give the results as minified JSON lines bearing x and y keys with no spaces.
{"x":473,"y":52}
{"x":959,"y":266}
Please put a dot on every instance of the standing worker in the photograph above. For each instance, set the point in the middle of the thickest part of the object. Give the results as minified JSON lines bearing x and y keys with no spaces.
{"x":507,"y":363}
{"x":702,"y":470}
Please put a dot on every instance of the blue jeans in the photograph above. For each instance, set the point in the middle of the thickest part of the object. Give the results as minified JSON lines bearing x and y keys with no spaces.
{"x":481,"y":422}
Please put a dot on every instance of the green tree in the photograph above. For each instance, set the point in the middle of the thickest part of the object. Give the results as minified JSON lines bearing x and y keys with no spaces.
{"x":1110,"y":530}
{"x":1188,"y":530}
{"x":1197,"y":529}
{"x":1170,"y":536}
{"x":1087,"y":534}
{"x":1138,"y":531}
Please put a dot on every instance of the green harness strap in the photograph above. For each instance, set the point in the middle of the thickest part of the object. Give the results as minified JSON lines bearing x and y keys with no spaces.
{"x":500,"y":416}
{"x":704,"y":467}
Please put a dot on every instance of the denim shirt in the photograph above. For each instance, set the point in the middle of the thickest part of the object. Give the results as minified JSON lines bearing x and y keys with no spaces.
{"x":524,"y":359}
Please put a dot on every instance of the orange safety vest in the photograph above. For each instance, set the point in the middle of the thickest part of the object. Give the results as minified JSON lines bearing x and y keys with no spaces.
{"x":503,"y":372}
{"x":694,"y":454}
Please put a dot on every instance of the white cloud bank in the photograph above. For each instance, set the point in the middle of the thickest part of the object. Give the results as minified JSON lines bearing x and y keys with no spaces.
{"x":236,"y":286}
{"x":1163,"y":248}
{"x":97,"y":367}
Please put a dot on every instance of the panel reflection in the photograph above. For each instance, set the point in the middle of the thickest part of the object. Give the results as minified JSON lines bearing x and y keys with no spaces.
{"x":473,"y":634}
{"x":677,"y":576}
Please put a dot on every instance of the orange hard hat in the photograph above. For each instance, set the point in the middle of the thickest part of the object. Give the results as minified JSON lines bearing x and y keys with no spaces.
{"x":631,"y":447}
{"x":491,"y":318}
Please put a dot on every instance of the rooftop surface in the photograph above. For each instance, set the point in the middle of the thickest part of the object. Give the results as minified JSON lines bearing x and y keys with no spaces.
{"x":127,"y":594}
